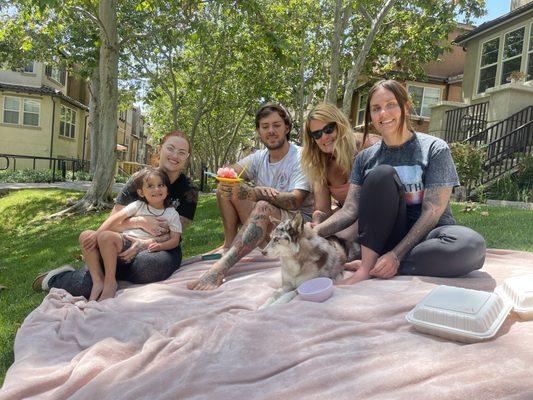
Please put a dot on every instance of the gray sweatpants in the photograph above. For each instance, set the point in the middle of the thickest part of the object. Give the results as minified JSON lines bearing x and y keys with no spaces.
{"x":147,"y":267}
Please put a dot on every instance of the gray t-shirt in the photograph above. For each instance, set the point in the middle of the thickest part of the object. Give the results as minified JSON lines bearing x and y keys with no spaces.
{"x":424,"y":161}
{"x":284,"y":175}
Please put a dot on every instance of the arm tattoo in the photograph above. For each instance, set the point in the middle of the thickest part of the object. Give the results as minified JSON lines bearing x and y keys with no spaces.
{"x":284,"y":200}
{"x":345,"y":217}
{"x":433,"y":205}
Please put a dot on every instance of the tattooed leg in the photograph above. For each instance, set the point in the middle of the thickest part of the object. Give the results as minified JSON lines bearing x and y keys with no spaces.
{"x":254,"y":233}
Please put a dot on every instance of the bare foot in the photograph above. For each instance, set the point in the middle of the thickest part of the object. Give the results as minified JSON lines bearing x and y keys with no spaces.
{"x":210,"y":280}
{"x":110,"y":288}
{"x":352,"y":265}
{"x":96,"y":290}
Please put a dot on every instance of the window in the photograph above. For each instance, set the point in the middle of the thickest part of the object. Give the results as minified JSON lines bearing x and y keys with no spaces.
{"x":529,"y":67}
{"x":11,"y":110}
{"x":57,"y":74}
{"x":423,"y":97}
{"x":28,"y":67}
{"x":489,"y":64}
{"x":67,"y":122}
{"x":361,"y":109}
{"x":14,"y":107}
{"x":32,"y":109}
{"x":513,"y":46}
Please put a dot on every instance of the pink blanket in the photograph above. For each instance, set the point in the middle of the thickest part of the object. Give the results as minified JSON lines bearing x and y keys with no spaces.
{"x":162,"y":341}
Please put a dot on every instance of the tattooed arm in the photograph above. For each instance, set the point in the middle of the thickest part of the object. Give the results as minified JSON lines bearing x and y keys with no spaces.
{"x":433,"y":206}
{"x":286,"y":200}
{"x":343,"y":218}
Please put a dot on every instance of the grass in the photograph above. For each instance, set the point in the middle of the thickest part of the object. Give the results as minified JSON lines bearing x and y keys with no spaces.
{"x":31,"y":245}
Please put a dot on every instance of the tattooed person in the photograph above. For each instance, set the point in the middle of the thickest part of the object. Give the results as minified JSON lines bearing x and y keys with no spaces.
{"x":281,"y":190}
{"x":400,"y":190}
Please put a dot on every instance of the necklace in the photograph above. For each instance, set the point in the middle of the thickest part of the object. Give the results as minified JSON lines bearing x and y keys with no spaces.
{"x":153,"y":213}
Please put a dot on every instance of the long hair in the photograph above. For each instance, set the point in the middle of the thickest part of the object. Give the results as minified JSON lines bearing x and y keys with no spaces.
{"x":314,"y":161}
{"x":141,"y":176}
{"x":268,"y":108}
{"x":402,"y":97}
{"x":154,"y":161}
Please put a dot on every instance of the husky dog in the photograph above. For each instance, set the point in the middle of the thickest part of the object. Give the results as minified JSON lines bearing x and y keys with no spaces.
{"x":304,"y":255}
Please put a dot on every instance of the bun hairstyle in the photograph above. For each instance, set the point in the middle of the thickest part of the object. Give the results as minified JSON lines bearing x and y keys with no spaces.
{"x":402,"y":97}
{"x":268,"y":108}
{"x":139,"y":177}
{"x":154,"y":161}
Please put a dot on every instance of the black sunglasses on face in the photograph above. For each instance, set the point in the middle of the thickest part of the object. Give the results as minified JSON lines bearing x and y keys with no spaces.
{"x":328,"y":129}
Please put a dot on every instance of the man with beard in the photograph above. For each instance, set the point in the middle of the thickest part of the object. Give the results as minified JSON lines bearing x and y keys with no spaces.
{"x":280,"y":191}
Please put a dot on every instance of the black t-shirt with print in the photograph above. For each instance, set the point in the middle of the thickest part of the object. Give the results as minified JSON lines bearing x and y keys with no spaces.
{"x":183,"y":192}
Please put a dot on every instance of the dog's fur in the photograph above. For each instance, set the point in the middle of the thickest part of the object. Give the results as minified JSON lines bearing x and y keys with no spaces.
{"x":304,"y":255}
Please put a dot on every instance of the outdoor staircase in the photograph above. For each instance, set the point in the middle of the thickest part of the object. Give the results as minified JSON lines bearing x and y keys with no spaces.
{"x":506,"y":143}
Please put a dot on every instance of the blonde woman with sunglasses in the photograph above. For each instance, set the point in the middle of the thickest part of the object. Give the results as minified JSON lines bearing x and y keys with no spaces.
{"x":329,"y":149}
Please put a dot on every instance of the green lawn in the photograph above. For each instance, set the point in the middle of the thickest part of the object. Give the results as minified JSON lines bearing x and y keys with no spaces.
{"x":30,"y":245}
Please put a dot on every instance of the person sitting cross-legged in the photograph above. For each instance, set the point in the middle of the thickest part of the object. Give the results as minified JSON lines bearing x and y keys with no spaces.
{"x":281,"y":190}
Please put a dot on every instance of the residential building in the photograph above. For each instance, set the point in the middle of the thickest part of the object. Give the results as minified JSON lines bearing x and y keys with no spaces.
{"x":496,"y":113}
{"x":496,"y":52}
{"x":442,"y":82}
{"x":43,"y":114}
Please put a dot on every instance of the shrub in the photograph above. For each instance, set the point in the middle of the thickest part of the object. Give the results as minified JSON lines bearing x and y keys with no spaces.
{"x":468,"y":162}
{"x":515,"y":187}
{"x":29,"y":176}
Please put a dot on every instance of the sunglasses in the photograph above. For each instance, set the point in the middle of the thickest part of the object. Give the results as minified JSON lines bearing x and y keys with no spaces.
{"x":328,"y":129}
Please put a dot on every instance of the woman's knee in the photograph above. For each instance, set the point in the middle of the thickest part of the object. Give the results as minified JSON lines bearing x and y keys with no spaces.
{"x":107,"y":238}
{"x":85,"y":234}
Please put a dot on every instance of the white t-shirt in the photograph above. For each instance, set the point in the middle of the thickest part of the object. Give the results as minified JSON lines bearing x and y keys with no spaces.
{"x":284,"y":175}
{"x":139,"y":208}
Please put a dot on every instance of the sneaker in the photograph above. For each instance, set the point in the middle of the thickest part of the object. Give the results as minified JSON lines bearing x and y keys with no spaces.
{"x":40,"y":283}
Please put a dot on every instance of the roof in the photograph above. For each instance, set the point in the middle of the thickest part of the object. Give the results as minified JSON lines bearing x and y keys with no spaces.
{"x":43,"y":90}
{"x":517,"y":12}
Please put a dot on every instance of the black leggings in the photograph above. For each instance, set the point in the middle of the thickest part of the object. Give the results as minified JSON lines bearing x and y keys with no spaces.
{"x":447,"y":251}
{"x":147,"y":267}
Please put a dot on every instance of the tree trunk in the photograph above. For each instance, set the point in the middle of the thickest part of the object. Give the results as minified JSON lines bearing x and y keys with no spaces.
{"x":339,"y":24}
{"x":357,"y":66}
{"x":94,"y":110}
{"x":99,"y":194}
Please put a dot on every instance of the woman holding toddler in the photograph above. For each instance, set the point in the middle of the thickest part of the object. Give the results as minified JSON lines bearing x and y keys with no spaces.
{"x":140,"y":259}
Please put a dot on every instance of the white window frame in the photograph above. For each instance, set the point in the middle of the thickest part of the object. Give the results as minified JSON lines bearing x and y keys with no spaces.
{"x":24,"y":112}
{"x":11,"y":110}
{"x":521,"y":55}
{"x":423,"y":98}
{"x":21,"y":111}
{"x":529,"y":51}
{"x":67,"y":124}
{"x":497,"y":63}
{"x":361,"y":107}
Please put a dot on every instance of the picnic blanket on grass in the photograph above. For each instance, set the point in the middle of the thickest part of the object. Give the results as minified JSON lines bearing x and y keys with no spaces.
{"x":162,"y":341}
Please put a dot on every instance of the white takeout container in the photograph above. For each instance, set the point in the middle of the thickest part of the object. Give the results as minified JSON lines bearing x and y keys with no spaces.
{"x":468,"y":315}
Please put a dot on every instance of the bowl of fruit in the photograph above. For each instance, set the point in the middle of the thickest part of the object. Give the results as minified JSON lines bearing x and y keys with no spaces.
{"x":227,"y":175}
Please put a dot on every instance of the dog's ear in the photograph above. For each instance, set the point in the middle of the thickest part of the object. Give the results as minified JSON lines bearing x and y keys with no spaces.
{"x":275,"y":221}
{"x":297,"y":222}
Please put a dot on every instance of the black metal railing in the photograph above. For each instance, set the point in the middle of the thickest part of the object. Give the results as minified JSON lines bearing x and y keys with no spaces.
{"x":58,"y":166}
{"x":505,"y":153}
{"x":502,"y":128}
{"x":464,"y":122}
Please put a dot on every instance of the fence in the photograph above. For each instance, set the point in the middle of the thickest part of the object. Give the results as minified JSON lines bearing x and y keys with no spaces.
{"x":59,"y":166}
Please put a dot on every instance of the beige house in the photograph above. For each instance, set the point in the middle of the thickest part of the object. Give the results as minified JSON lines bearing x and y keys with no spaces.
{"x":42,"y":114}
{"x":498,"y":77}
